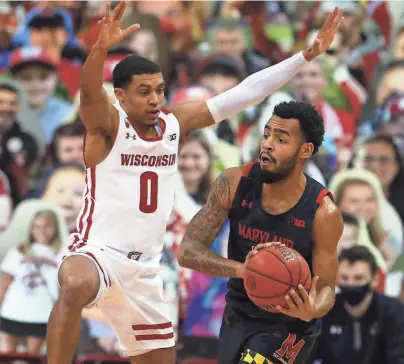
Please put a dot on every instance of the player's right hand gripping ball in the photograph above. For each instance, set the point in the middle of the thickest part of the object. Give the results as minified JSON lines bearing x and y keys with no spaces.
{"x":271,"y":273}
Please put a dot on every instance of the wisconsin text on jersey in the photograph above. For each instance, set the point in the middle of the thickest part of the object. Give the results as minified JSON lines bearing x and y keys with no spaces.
{"x":148,"y":160}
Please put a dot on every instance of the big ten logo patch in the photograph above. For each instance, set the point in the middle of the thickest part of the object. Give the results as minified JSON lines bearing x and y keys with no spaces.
{"x":134,"y":255}
{"x":297,"y":222}
{"x":171,"y":137}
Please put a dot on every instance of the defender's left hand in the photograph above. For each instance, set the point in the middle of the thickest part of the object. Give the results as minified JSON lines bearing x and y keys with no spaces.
{"x":326,"y":35}
{"x":301,"y":305}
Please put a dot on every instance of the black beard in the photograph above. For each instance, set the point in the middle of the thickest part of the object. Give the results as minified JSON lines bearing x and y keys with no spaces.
{"x":279,"y":174}
{"x":272,"y":177}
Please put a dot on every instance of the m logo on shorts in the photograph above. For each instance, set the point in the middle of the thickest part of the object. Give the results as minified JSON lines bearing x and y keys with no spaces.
{"x":288,"y":352}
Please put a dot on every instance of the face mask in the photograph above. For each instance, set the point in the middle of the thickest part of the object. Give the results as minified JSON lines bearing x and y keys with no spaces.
{"x":354,"y":295}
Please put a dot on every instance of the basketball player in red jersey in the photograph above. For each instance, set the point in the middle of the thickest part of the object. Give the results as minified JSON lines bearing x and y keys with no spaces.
{"x":131,"y":154}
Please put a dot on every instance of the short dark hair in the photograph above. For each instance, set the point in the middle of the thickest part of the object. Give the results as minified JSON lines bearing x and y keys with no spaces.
{"x":220,"y":69}
{"x":10,"y":88}
{"x":72,"y":129}
{"x":359,"y":253}
{"x":398,"y":180}
{"x":383,"y":138}
{"x":131,"y":66}
{"x":311,"y":122}
{"x":47,"y":21}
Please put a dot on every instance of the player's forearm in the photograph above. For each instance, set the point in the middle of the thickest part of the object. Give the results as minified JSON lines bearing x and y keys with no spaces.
{"x":325,"y":300}
{"x":197,"y":256}
{"x":92,"y":74}
{"x":255,"y":88}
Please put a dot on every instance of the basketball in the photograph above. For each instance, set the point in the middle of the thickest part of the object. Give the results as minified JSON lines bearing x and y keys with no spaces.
{"x":272,"y":273}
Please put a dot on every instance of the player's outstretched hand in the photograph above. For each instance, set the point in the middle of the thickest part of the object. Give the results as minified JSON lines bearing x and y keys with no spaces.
{"x":111,"y":34}
{"x":301,"y":305}
{"x":326,"y":35}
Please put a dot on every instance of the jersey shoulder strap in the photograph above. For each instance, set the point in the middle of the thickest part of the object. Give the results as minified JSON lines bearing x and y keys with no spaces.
{"x":247,"y":169}
{"x":248,"y":183}
{"x":323,"y":193}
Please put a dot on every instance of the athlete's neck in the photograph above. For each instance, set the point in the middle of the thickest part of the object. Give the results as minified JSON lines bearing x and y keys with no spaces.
{"x":288,"y":188}
{"x":280,"y":197}
{"x":143,"y":130}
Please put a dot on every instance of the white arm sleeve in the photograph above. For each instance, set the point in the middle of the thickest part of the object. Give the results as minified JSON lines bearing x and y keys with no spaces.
{"x":255,"y":88}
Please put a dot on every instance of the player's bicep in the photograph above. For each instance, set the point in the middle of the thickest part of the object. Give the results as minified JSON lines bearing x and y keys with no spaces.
{"x":96,"y":112}
{"x":193,"y":115}
{"x":206,"y":224}
{"x":327,"y":231}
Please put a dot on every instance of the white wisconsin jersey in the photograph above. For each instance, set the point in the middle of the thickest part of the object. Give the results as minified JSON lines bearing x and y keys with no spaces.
{"x":129,"y":195}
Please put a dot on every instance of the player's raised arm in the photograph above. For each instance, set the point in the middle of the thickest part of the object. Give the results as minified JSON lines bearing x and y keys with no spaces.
{"x":255,"y":88}
{"x":194,"y":251}
{"x":95,"y":110}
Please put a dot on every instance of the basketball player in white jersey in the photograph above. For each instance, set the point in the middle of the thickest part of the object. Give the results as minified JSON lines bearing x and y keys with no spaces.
{"x":131,"y":154}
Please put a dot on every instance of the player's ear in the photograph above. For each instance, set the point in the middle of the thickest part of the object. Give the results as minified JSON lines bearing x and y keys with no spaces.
{"x":119,"y":94}
{"x":306,"y":150}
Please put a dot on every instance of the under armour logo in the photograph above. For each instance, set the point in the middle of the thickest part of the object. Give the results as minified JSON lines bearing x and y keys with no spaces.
{"x":131,"y":136}
{"x":244,"y":203}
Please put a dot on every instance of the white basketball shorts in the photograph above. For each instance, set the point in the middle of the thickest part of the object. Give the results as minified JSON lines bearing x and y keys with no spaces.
{"x":131,"y":298}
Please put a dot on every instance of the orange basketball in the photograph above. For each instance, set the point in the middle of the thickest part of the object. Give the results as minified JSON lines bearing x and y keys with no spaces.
{"x":272,"y":273}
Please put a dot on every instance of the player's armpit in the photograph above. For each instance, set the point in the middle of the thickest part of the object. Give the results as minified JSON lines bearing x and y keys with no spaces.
{"x":194,"y":251}
{"x":327,"y":231}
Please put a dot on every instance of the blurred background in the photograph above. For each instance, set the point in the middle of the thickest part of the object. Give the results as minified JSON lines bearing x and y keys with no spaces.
{"x":203,"y":48}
